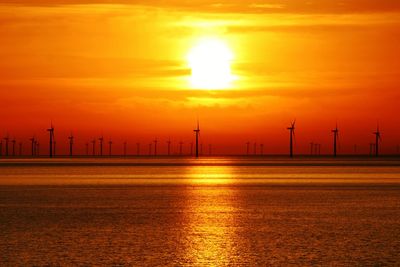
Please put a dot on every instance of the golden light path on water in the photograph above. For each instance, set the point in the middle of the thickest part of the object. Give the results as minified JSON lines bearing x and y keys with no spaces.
{"x":211,"y":238}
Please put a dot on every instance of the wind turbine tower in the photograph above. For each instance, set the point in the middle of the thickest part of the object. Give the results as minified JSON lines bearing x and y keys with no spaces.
{"x":7,"y":139}
{"x":13,"y":147}
{"x":33,"y":145}
{"x":180,"y":148}
{"x":169,"y":147}
{"x":377,"y":140}
{"x":197,"y":131}
{"x":71,"y":143}
{"x":101,"y":139}
{"x":292,"y":135}
{"x":155,"y":146}
{"x":51,"y":140}
{"x":94,"y":146}
{"x":335,"y":140}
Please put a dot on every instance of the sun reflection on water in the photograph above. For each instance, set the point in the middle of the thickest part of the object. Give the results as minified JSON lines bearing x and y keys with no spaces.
{"x":210,"y":217}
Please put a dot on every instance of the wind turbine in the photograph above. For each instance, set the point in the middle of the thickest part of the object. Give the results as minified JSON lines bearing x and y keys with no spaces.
{"x":101,"y":139}
{"x":377,"y":140}
{"x":335,"y":140}
{"x":197,"y":131}
{"x":33,"y":145}
{"x":13,"y":147}
{"x":292,"y":136}
{"x":94,"y":147}
{"x":7,"y":139}
{"x":371,"y":149}
{"x":180,"y":148}
{"x":169,"y":147}
{"x":71,"y":143}
{"x":51,"y":140}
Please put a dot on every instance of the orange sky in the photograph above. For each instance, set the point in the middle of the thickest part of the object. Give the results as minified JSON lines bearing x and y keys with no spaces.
{"x":120,"y":69}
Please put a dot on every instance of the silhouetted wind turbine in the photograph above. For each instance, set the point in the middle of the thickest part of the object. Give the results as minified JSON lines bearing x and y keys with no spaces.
{"x":180,"y":148}
{"x":71,"y":143}
{"x":292,"y":135}
{"x":7,"y":139}
{"x":311,"y":148}
{"x":155,"y":146}
{"x":94,"y":147}
{"x":169,"y":147}
{"x":377,"y":140}
{"x":335,"y":139}
{"x":197,"y":131}
{"x":13,"y":147}
{"x":109,"y":148}
{"x":101,"y":139}
{"x":51,"y":140}
{"x":33,"y":145}
{"x":371,"y":149}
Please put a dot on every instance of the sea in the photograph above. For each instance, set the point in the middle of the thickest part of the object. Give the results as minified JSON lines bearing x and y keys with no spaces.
{"x":214,"y":211}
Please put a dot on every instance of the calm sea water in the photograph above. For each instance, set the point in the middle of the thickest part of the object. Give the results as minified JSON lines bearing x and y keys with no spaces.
{"x":212,"y":212}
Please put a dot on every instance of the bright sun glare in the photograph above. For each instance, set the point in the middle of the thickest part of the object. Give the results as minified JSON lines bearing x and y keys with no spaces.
{"x":210,"y":63}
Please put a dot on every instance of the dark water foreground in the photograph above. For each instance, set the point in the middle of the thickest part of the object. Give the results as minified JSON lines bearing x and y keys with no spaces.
{"x":216,"y":212}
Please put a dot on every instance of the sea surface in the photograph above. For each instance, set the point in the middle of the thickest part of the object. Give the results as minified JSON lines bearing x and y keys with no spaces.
{"x":222,"y":211}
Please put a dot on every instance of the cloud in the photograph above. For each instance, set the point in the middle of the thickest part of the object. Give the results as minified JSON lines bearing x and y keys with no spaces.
{"x":242,"y":6}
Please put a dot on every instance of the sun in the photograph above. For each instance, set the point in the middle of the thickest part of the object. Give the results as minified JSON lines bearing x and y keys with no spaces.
{"x":210,"y":64}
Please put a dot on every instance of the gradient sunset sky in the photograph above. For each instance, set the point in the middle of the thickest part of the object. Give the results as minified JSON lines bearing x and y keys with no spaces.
{"x":120,"y":68}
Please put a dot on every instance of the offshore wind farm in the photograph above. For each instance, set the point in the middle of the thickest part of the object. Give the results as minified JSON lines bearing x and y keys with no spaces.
{"x":199,"y":133}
